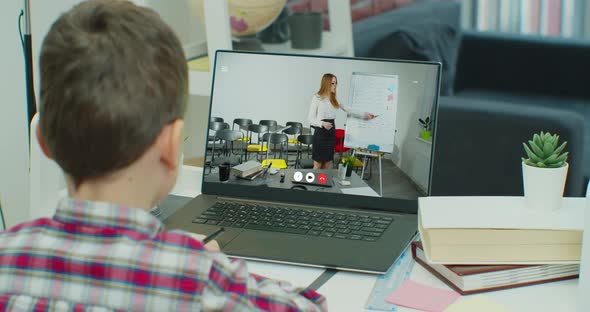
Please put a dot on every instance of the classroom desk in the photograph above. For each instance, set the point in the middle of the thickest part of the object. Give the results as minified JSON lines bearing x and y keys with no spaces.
{"x":357,"y":185}
{"x":349,"y":291}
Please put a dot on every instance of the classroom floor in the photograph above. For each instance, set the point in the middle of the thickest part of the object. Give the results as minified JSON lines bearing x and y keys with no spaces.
{"x":396,"y":184}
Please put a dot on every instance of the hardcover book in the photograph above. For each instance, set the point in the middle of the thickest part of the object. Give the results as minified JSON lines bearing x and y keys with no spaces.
{"x":499,"y":230}
{"x":471,"y":279}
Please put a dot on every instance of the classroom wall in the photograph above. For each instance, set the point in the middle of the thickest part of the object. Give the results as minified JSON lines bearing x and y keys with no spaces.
{"x":280,"y":88}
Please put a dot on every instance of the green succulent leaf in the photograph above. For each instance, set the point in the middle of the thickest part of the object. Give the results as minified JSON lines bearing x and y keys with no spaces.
{"x":563,"y":157}
{"x":551,"y":159}
{"x":546,"y":135}
{"x":548,"y":149}
{"x":556,"y":165}
{"x":530,"y":153}
{"x":556,"y":141}
{"x":560,"y":148}
{"x":544,"y":151}
{"x":538,"y":149}
{"x":537,"y":139}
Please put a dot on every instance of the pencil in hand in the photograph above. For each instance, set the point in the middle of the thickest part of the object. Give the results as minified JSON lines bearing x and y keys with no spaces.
{"x":213,"y":235}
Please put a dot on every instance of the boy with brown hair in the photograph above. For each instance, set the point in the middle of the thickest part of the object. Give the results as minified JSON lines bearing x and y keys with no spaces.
{"x":114,"y":84}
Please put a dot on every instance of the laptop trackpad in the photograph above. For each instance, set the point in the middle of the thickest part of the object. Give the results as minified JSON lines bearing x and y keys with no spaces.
{"x":286,"y":247}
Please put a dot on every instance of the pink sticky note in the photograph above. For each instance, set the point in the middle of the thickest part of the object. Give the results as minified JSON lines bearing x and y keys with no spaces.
{"x":422,"y":297}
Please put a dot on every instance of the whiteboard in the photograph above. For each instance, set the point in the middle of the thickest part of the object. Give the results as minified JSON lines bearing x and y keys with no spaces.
{"x":376,"y":94}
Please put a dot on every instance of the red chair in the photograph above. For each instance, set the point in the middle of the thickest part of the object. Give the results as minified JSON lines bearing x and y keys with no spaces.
{"x":339,"y":146}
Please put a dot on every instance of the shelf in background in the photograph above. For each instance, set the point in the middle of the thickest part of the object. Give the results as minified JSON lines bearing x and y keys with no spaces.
{"x":330,"y":46}
{"x":200,"y":80}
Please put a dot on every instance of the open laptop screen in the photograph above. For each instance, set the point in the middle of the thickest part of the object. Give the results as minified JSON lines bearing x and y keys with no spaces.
{"x":284,"y":127}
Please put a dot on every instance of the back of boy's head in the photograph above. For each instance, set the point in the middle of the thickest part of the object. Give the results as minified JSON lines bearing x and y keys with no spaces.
{"x":113,"y":74}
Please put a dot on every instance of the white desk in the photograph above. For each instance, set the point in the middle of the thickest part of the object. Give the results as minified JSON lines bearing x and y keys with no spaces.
{"x":349,"y":291}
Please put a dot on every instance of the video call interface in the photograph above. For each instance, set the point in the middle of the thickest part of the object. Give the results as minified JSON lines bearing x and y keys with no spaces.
{"x":273,"y":124}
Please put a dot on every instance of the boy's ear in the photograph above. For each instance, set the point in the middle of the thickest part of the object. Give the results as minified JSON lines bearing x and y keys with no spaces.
{"x":42,"y":143}
{"x":171,"y":143}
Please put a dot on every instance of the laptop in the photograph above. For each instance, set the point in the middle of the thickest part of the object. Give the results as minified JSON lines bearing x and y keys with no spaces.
{"x":292,"y":216}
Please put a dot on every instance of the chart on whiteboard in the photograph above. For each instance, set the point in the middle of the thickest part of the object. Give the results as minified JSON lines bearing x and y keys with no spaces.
{"x":376,"y":94}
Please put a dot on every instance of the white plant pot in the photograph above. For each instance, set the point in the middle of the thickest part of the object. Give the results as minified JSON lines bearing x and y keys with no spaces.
{"x":543,"y":187}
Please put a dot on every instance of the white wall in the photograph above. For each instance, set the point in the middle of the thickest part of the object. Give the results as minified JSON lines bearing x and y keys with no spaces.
{"x":280,"y":88}
{"x":14,"y":170}
{"x":196,"y":119}
{"x":176,"y":13}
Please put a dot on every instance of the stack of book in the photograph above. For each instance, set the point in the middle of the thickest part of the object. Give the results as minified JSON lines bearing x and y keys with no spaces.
{"x":477,"y":244}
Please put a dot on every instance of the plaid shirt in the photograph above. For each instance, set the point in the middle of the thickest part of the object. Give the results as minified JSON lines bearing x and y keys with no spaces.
{"x":99,"y":256}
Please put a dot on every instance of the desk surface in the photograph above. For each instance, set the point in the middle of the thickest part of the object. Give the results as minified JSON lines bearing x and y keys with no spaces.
{"x":356,"y":183}
{"x":349,"y":291}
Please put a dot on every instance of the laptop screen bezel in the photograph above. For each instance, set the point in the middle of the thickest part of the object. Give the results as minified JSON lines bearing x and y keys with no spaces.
{"x":319,"y":198}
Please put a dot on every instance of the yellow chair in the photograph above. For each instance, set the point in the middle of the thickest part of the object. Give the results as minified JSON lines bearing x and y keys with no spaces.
{"x":275,"y":139}
{"x":295,"y":130}
{"x":243,"y":124}
{"x":256,"y":147}
{"x":275,"y":163}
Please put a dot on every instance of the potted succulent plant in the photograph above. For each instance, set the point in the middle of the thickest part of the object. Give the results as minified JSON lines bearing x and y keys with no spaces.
{"x":544,"y":172}
{"x":425,"y":133}
{"x":349,"y":162}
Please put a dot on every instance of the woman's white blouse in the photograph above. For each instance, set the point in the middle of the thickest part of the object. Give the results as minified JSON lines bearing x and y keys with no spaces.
{"x":321,"y":108}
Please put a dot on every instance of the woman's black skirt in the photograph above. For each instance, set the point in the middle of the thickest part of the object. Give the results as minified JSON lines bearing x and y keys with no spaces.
{"x":323,"y":143}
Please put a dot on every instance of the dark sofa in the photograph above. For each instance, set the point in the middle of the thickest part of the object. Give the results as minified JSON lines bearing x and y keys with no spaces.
{"x":499,"y":80}
{"x":530,"y":73}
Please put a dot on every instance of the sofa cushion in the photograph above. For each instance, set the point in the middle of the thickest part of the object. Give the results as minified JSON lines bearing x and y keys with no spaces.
{"x":478,"y":145}
{"x":528,"y":101}
{"x":523,"y":63}
{"x":424,"y":31}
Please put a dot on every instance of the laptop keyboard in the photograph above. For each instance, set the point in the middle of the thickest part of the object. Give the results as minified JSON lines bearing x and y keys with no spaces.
{"x":296,"y":221}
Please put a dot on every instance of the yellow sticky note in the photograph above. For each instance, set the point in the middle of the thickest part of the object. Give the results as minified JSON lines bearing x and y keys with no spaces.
{"x":477,"y":303}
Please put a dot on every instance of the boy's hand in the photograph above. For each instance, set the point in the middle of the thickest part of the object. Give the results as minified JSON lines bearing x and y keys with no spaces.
{"x":211,"y":246}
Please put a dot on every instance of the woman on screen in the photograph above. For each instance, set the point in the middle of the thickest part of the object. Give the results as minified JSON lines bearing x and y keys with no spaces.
{"x":322,"y":113}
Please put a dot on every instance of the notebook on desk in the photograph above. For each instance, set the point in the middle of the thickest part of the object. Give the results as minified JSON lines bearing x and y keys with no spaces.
{"x":276,"y":220}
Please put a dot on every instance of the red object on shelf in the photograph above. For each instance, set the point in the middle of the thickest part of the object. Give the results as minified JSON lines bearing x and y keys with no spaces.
{"x":339,"y":147}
